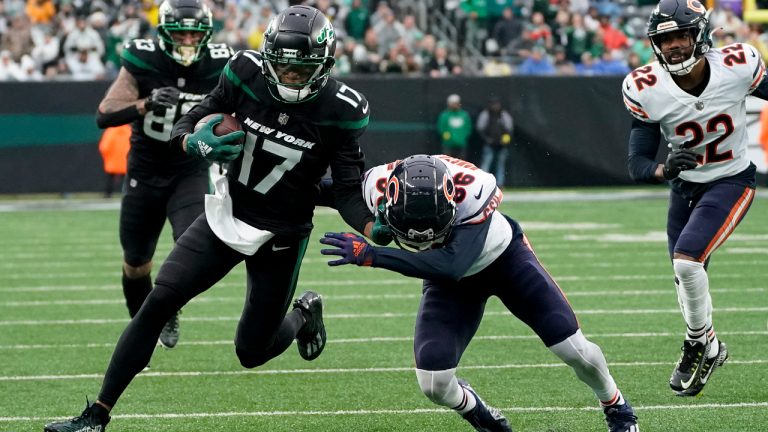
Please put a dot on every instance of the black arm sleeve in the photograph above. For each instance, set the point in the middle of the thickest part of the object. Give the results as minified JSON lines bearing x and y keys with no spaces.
{"x":643,"y":144}
{"x":325,"y":197}
{"x":346,"y":171}
{"x":762,"y":89}
{"x":451,"y":261}
{"x":117,"y":118}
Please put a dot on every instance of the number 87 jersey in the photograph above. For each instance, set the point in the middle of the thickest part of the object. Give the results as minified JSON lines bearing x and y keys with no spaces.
{"x":713,"y":124}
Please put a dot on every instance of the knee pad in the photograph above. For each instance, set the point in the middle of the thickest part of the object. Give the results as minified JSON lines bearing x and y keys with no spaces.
{"x":439,"y":386}
{"x":688,"y":271}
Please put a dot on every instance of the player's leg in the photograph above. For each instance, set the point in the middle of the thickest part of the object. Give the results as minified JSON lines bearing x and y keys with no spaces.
{"x":185,"y":204}
{"x":449,"y":315}
{"x":196,"y":263}
{"x":142,"y":216}
{"x":711,"y":220}
{"x":532,"y":295}
{"x":265,"y":330}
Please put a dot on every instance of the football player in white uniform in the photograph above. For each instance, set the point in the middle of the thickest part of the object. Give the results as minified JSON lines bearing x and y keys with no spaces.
{"x":692,"y":100}
{"x":441,"y":211}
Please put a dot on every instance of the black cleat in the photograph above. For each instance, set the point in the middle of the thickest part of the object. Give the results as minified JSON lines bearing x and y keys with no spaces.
{"x":483,"y":417}
{"x":93,"y":419}
{"x":169,"y":336}
{"x":709,"y":366}
{"x":621,"y":418}
{"x":688,"y":368}
{"x":311,"y":337}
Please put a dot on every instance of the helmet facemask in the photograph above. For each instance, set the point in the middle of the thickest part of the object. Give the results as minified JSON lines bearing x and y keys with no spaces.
{"x":295,"y":78}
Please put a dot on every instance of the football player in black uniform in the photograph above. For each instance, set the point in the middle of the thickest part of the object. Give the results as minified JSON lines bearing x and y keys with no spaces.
{"x":158,"y":82}
{"x":297,"y":123}
{"x":442,"y":212}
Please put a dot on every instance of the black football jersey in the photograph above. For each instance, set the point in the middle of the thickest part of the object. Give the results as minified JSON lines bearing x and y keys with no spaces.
{"x":288,"y":148}
{"x":152,"y":68}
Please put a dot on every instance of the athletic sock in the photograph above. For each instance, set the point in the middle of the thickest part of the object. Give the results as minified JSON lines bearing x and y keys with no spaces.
{"x":135,"y":292}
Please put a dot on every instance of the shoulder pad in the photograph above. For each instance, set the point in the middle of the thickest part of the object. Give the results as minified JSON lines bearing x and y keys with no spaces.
{"x":374,"y":185}
{"x":350,"y":107}
{"x":141,"y":56}
{"x":632,"y":88}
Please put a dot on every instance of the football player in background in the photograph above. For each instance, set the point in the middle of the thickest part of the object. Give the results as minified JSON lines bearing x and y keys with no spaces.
{"x":692,"y":100}
{"x":297,"y":122}
{"x":441,"y":211}
{"x":158,"y":82}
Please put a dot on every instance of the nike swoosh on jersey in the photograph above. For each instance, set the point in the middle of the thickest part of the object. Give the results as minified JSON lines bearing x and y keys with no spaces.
{"x":480,"y":193}
{"x":276,"y":248}
{"x":365,"y":108}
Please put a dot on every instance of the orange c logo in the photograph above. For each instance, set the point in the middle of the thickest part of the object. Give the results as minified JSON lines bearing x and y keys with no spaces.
{"x":696,"y":6}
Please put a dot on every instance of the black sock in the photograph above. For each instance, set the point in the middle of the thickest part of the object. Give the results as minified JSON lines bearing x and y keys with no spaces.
{"x":135,"y":291}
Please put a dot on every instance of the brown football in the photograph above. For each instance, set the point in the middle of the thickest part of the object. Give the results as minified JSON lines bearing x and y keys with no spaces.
{"x":228,"y":124}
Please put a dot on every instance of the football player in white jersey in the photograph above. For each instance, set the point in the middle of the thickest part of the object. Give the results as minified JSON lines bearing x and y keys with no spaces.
{"x":692,"y":100}
{"x":441,"y":211}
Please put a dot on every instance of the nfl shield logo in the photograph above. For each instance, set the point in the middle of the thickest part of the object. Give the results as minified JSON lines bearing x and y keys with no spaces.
{"x":282,"y":119}
{"x":181,"y":82}
{"x":699,"y":105}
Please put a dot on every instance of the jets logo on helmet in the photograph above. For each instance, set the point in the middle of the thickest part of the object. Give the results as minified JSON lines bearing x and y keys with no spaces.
{"x":176,"y":16}
{"x":680,"y":18}
{"x":298,"y":49}
{"x":420,"y":209}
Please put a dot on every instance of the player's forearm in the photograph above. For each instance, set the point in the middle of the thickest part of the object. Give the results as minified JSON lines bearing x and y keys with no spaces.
{"x":119,"y":114}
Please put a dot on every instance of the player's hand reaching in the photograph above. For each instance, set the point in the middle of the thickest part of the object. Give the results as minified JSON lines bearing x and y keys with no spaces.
{"x":381,"y":234}
{"x":207,"y":145}
{"x":166,"y":97}
{"x":352,"y":249}
{"x":678,"y":161}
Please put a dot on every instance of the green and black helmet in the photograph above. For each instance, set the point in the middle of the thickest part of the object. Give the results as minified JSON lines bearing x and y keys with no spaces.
{"x":184,"y":16}
{"x":298,"y":50}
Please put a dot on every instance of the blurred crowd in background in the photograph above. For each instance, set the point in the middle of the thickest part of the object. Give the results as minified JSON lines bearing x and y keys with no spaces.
{"x":82,"y":39}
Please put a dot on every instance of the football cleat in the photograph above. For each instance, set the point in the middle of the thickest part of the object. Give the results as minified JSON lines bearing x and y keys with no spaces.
{"x":708,"y":366}
{"x":621,"y":418}
{"x":311,"y":337}
{"x":169,"y":336}
{"x":94,"y":418}
{"x":482,"y":417}
{"x":688,"y":368}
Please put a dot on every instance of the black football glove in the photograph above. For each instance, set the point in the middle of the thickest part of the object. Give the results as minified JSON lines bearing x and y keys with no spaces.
{"x":166,"y":97}
{"x":677,"y":161}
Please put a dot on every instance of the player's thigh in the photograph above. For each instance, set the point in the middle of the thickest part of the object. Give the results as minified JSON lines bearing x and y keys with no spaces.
{"x":526,"y":288}
{"x":678,"y":214}
{"x":142,"y":216}
{"x":197,"y":261}
{"x":713,"y":219}
{"x":272,"y":273}
{"x":448,"y":317}
{"x":187,"y":201}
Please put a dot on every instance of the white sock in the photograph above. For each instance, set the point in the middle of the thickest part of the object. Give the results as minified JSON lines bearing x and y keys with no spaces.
{"x":442,"y":388}
{"x":693,"y":294}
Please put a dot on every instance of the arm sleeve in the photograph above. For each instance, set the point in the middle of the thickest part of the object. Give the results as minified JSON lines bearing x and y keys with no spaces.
{"x":346,"y":171}
{"x":117,"y":118}
{"x":449,"y":262}
{"x":762,"y":89}
{"x":643,"y":144}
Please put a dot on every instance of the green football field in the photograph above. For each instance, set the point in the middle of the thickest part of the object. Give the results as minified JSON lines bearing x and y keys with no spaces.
{"x":61,"y":312}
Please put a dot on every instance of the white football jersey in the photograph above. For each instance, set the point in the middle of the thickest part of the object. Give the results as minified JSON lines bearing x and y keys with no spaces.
{"x":477,"y":198}
{"x":712,"y":124}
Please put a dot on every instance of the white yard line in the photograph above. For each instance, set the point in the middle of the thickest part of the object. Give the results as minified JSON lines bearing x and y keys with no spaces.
{"x":416,"y":411}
